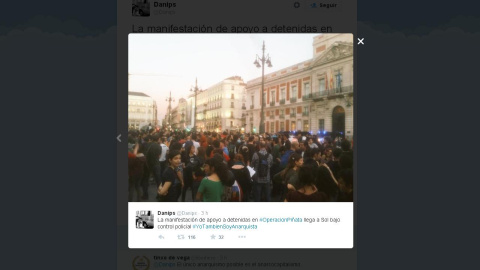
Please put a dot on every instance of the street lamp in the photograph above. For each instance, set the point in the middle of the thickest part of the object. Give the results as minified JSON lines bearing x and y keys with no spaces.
{"x":170,"y":99}
{"x":195,"y":90}
{"x":263,"y":60}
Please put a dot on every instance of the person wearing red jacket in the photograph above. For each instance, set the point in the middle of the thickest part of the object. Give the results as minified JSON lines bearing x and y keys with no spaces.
{"x":217,"y":149}
{"x":203,"y":140}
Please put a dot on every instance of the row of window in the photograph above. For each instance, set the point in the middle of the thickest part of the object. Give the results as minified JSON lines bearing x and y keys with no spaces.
{"x":306,"y":86}
{"x":138,"y":103}
{"x":218,"y":123}
{"x":219,"y":94}
{"x":214,"y":106}
{"x":138,"y":110}
{"x":215,"y":115}
{"x":293,"y":126}
{"x":305,"y":111}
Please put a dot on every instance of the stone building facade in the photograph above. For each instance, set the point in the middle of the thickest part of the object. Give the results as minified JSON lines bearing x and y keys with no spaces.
{"x":315,"y":95}
{"x":142,"y":110}
{"x":221,"y":106}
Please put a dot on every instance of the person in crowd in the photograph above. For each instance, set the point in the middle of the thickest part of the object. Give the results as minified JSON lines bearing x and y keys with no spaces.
{"x":232,"y":150}
{"x":307,"y":191}
{"x":196,"y":144}
{"x":219,"y":149}
{"x":163,"y":155}
{"x":276,"y":157}
{"x":284,"y":140}
{"x":153,"y":154}
{"x":268,"y":144}
{"x":137,"y":168}
{"x":346,"y":185}
{"x":327,"y":155}
{"x":223,"y":135}
{"x":262,"y":162}
{"x":334,"y":163}
{"x":187,"y":142}
{"x":301,"y":147}
{"x":245,"y":153}
{"x":181,"y":139}
{"x":327,"y":183}
{"x":327,"y":141}
{"x":211,"y":188}
{"x":238,"y":145}
{"x":171,"y":185}
{"x":276,"y":150}
{"x":223,"y":146}
{"x":133,"y":139}
{"x":203,"y":140}
{"x":346,"y":161}
{"x":145,"y":141}
{"x":191,"y":162}
{"x":295,"y":146}
{"x":347,"y":147}
{"x":213,"y":137}
{"x":199,"y":172}
{"x":251,"y":149}
{"x":242,"y":175}
{"x":285,"y":157}
{"x":338,"y":142}
{"x":309,"y":160}
{"x":277,"y":180}
{"x":282,"y":150}
{"x":311,"y":144}
{"x":315,"y":141}
{"x":290,"y":173}
{"x":209,"y":150}
{"x":317,"y":156}
{"x":176,"y":146}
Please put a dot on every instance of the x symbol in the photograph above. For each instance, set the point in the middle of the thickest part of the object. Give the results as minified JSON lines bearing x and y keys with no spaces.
{"x":360,"y":41}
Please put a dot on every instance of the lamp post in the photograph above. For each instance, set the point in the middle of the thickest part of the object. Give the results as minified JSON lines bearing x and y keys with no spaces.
{"x":195,"y":90}
{"x":264,"y":60}
{"x":170,"y":99}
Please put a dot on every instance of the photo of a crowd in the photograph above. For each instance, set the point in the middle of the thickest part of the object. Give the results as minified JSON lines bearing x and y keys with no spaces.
{"x":241,"y":118}
{"x":230,"y":166}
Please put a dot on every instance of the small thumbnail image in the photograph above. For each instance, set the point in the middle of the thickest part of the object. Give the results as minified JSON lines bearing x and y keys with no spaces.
{"x":141,"y":8}
{"x":144,"y":219}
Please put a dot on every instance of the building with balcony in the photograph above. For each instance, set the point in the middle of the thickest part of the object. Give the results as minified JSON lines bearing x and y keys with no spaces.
{"x":179,"y":115}
{"x":314,"y":95}
{"x":142,"y":110}
{"x":174,"y":118}
{"x":221,"y":106}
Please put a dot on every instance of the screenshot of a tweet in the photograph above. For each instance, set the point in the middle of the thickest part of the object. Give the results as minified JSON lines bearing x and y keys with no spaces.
{"x":236,"y":127}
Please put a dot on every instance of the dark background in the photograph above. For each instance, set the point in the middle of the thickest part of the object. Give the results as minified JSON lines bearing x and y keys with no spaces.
{"x":417,"y":134}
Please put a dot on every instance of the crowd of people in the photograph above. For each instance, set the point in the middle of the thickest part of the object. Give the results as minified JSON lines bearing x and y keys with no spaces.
{"x":235,"y":167}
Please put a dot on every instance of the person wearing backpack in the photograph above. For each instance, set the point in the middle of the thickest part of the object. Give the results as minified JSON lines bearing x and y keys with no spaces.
{"x":262,"y":162}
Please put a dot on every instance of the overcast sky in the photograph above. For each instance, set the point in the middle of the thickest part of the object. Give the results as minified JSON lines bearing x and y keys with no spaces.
{"x":160,"y":63}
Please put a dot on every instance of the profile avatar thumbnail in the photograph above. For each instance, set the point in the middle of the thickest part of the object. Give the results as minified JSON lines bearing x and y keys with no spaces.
{"x":144,"y":219}
{"x":141,"y":8}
